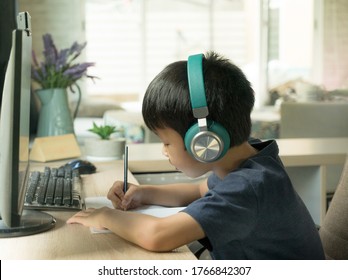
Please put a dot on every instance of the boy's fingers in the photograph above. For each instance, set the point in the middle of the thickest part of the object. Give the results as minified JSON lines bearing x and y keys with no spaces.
{"x":116,"y":194}
{"x":116,"y":190}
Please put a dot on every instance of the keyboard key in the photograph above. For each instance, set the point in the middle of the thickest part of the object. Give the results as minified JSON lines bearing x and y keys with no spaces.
{"x":76,"y":190}
{"x":61,"y":172}
{"x":68,"y":171}
{"x":43,"y":188}
{"x":67,"y":193}
{"x":30,"y":193}
{"x":47,"y":172}
{"x":58,"y":197}
{"x":51,"y":187}
{"x":54,"y":172}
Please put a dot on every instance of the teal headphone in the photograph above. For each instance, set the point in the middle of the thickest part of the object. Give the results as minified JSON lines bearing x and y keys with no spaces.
{"x":206,"y":140}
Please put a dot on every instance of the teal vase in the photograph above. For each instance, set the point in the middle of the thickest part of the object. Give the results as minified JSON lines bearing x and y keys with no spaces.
{"x":55,"y":116}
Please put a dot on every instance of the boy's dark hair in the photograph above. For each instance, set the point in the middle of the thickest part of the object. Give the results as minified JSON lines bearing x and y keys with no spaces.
{"x":229,"y":95}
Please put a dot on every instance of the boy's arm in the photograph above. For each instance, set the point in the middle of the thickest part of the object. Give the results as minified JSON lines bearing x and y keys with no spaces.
{"x":151,"y":233}
{"x":166,"y":195}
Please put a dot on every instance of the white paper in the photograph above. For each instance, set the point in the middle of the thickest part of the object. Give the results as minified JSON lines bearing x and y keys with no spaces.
{"x":153,"y":210}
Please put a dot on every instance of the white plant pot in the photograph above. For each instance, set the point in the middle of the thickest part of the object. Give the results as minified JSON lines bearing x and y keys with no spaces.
{"x":103,"y":150}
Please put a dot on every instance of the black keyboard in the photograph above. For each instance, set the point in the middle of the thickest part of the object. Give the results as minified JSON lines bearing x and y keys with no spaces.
{"x":54,"y":189}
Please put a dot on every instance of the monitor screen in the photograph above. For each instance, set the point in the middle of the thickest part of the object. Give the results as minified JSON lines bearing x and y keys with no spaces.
{"x":14,"y":135}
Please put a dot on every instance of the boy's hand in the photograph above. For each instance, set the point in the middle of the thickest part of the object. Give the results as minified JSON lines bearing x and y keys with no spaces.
{"x":90,"y":217}
{"x":120,"y":200}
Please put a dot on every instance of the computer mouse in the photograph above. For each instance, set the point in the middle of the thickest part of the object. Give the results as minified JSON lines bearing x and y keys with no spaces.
{"x":83,"y":166}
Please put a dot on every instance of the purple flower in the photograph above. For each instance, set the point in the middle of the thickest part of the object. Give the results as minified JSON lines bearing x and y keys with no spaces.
{"x":58,"y":70}
{"x":78,"y":70}
{"x":62,"y":59}
{"x":77,"y":48}
{"x":50,"y":50}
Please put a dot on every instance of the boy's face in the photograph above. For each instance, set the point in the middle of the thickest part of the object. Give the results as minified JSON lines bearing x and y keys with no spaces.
{"x":174,"y":150}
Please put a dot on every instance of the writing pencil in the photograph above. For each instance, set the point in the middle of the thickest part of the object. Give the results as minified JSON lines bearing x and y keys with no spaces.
{"x":125,"y":169}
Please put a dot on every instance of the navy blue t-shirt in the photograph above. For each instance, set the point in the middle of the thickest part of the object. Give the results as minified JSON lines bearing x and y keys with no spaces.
{"x":255,"y":213}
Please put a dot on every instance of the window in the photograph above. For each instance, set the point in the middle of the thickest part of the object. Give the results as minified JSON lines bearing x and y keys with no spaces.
{"x":132,"y":41}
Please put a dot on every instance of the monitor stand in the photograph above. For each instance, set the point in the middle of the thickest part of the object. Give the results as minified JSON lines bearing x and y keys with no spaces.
{"x":32,"y":222}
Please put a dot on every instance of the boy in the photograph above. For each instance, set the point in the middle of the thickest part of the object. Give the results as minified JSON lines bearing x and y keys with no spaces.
{"x":247,"y":208}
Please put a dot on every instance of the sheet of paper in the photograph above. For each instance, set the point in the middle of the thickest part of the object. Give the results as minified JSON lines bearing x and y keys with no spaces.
{"x":153,"y":210}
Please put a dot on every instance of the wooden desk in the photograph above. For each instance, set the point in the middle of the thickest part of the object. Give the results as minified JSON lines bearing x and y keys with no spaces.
{"x":75,"y":241}
{"x":306,"y":161}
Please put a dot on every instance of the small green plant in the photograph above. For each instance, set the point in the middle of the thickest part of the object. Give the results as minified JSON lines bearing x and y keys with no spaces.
{"x":104,"y":131}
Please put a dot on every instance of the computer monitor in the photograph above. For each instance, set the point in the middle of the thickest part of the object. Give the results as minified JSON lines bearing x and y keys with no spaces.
{"x":14,"y":135}
{"x":8,"y":15}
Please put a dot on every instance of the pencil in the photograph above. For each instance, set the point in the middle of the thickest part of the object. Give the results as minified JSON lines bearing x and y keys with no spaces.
{"x":125,"y":169}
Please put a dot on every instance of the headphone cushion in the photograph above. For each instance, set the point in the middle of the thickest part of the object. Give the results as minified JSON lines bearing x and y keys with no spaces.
{"x":214,"y":127}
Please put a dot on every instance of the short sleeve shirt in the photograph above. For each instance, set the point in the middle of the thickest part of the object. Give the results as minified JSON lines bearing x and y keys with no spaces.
{"x":255,"y":213}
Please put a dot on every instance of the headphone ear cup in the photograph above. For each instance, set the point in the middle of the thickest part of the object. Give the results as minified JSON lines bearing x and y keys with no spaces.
{"x":190,"y":134}
{"x":219,"y":130}
{"x":197,"y":142}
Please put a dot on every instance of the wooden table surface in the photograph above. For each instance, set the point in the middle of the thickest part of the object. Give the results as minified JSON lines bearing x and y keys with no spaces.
{"x":77,"y":242}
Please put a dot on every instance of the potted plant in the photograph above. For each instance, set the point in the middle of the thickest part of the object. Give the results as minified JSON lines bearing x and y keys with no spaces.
{"x":58,"y":71}
{"x":107,"y":146}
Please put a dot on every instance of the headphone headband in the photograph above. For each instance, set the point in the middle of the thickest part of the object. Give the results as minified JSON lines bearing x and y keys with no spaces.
{"x":196,"y":86}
